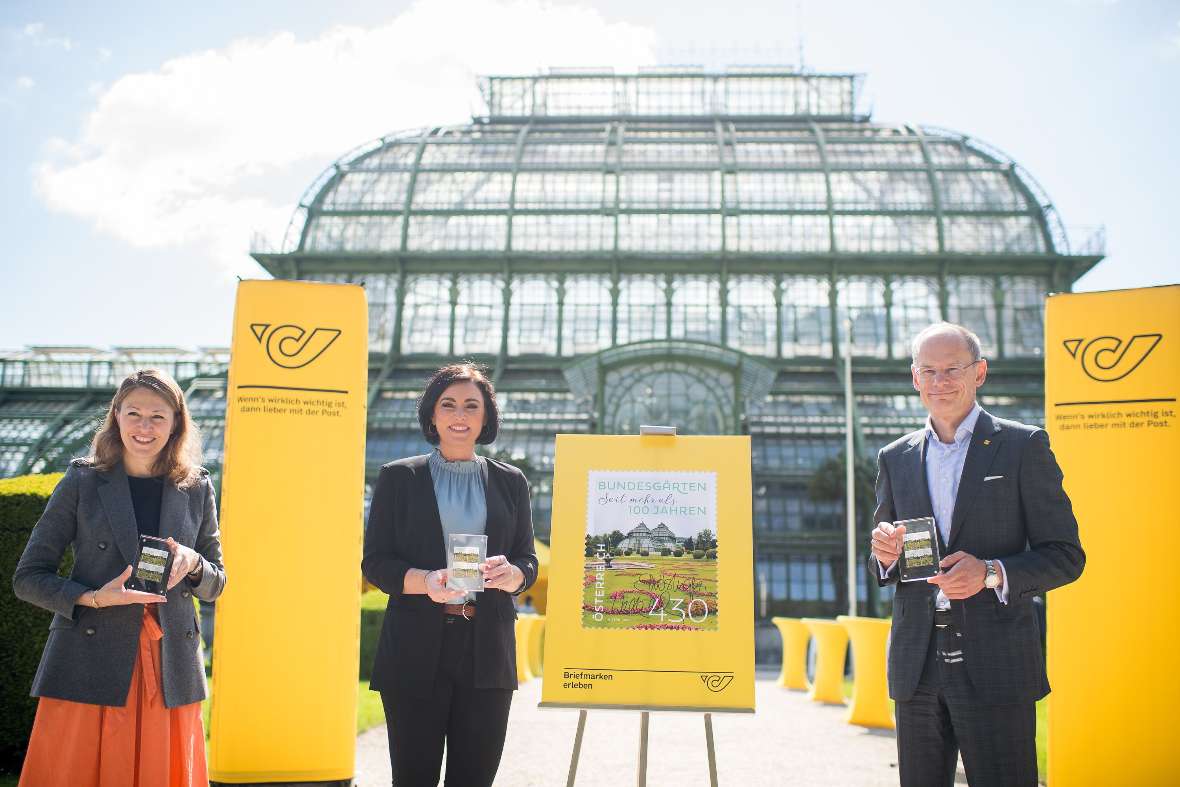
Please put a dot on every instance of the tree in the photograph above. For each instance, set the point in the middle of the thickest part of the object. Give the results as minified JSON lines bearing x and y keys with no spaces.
{"x":689,"y":546}
{"x":706,"y":539}
{"x":828,"y":485}
{"x":828,"y":481}
{"x":614,"y":538}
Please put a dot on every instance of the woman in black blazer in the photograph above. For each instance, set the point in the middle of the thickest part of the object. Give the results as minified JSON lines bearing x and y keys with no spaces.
{"x":446,"y":661}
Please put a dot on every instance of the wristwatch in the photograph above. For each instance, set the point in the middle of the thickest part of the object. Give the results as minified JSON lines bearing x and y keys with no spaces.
{"x":992,"y":580}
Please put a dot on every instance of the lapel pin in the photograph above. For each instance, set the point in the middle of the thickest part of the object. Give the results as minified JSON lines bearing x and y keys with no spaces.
{"x":987,"y":442}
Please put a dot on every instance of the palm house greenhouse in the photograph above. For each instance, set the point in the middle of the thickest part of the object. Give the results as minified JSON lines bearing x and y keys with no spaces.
{"x":673,"y":246}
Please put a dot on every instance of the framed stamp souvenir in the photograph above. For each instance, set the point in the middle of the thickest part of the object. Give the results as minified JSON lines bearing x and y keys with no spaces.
{"x":919,"y":555}
{"x":153,"y":565}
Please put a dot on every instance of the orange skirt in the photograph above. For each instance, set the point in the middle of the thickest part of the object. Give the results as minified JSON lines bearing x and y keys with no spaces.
{"x":142,"y":744}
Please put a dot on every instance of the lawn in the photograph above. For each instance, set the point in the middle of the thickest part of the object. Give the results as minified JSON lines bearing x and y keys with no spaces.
{"x":637,"y":592}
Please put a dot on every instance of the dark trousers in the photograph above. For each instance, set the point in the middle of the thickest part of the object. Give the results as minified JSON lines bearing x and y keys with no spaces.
{"x":471,"y":721}
{"x":947,"y":715}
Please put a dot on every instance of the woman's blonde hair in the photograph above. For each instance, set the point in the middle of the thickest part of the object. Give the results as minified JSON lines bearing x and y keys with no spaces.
{"x":180,"y":458}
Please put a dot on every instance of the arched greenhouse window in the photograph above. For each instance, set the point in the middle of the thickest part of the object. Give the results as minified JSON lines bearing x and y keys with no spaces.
{"x":971,"y":303}
{"x":479,"y":314}
{"x":696,"y":308}
{"x":586,"y":315}
{"x":643,"y":309}
{"x":426,"y":315}
{"x":807,"y":311}
{"x":862,"y":300}
{"x":752,"y":326}
{"x":1023,"y":315}
{"x":915,"y":306}
{"x":693,"y":399}
{"x":532,"y":316}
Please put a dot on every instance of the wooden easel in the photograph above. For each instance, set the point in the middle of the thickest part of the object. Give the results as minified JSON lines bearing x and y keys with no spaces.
{"x":641,"y":776}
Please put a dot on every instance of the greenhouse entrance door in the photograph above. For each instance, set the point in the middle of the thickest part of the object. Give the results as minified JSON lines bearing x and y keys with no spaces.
{"x":699,"y":388}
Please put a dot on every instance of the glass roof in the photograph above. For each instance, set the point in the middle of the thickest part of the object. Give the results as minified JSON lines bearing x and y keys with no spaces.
{"x":736,"y":163}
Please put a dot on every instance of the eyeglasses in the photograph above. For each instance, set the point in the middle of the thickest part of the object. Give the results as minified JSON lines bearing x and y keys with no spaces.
{"x":928,"y":374}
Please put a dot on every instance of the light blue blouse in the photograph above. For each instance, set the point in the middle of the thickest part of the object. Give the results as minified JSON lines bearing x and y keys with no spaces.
{"x":460,"y":488}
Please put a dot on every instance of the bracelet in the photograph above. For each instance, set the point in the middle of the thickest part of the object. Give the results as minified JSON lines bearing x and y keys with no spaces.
{"x":94,"y":599}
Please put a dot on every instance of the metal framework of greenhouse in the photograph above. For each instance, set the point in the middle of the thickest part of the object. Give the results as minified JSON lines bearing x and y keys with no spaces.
{"x":672,"y":246}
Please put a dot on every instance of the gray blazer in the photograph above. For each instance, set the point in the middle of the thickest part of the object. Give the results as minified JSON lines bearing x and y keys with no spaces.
{"x":90,"y":653}
{"x":1011,"y":505}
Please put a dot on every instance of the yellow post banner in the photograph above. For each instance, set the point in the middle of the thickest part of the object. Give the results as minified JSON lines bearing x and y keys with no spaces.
{"x":1112,"y":378}
{"x":651,"y":591}
{"x":286,"y":643}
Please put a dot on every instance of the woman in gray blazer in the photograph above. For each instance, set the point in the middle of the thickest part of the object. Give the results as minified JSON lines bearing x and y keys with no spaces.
{"x":121,"y":677}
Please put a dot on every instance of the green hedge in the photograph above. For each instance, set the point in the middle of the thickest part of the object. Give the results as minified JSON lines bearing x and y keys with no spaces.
{"x":372,"y":614}
{"x":23,"y":627}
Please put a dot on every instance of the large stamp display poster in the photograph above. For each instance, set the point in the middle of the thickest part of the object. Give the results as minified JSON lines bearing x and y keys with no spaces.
{"x":651,"y":590}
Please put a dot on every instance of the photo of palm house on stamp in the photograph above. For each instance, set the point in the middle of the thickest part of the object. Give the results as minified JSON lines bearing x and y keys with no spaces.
{"x":661,"y":578}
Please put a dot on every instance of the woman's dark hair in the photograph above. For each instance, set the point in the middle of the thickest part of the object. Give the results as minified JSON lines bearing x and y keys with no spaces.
{"x":443,"y":379}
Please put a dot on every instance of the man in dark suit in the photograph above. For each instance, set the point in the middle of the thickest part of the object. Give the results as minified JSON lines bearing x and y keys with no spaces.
{"x":965,"y":662}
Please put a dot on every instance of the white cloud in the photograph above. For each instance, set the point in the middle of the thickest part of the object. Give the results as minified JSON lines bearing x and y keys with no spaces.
{"x":35,"y":32}
{"x":104,"y":54}
{"x":25,"y":82}
{"x":191,"y":153}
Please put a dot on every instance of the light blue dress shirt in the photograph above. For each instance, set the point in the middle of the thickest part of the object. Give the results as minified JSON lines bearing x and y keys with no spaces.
{"x":460,"y":488}
{"x":944,"y":469}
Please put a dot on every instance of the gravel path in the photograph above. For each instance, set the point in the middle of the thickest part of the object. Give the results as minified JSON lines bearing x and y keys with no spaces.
{"x":789,"y":741}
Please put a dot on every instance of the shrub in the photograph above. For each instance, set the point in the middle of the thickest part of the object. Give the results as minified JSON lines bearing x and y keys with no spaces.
{"x":697,"y":554}
{"x":643,"y":553}
{"x":590,"y":552}
{"x":372,"y":616}
{"x":679,"y":552}
{"x":616,"y":552}
{"x":626,"y":551}
{"x":666,"y":552}
{"x":23,"y":627}
{"x":711,"y":554}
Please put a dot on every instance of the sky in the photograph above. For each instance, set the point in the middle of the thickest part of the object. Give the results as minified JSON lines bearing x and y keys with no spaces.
{"x":148,"y":146}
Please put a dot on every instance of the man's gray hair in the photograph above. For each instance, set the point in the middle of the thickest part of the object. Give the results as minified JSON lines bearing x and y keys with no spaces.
{"x":969,"y":338}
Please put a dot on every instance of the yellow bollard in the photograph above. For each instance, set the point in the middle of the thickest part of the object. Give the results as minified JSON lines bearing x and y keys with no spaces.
{"x":870,"y":690}
{"x":536,"y":636}
{"x":522,"y":650}
{"x":795,"y":636}
{"x":831,"y":641}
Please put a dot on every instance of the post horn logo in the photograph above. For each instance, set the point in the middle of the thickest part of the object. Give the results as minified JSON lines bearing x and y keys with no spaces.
{"x":1109,"y":358}
{"x":716,"y":682}
{"x":291,"y":346}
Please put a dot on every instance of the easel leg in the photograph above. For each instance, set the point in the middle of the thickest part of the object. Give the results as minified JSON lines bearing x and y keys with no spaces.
{"x":712,"y":751}
{"x":643,"y":749}
{"x":569,"y":782}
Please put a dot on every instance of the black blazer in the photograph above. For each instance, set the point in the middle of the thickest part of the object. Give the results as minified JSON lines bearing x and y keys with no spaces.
{"x":404,"y":532}
{"x":1010,"y":506}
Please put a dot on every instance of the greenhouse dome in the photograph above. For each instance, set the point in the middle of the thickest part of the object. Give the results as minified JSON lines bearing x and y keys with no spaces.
{"x":673,"y":246}
{"x":686,"y":164}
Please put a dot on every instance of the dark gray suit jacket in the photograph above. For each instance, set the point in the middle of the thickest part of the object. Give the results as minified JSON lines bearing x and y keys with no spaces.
{"x":1022,"y":517}
{"x":404,"y":532}
{"x":90,"y":653}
